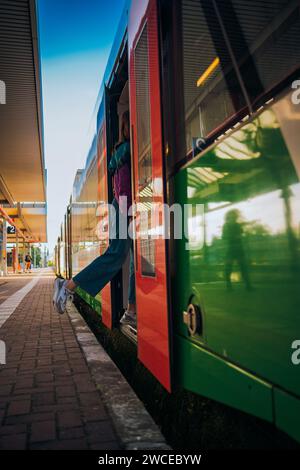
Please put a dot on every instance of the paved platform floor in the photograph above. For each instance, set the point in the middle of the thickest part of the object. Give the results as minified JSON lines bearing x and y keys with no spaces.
{"x":48,"y":399}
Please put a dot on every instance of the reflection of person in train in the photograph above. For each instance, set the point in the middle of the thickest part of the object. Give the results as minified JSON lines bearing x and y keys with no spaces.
{"x":14,"y":259}
{"x":232,"y":236}
{"x":28,"y":261}
{"x":103,"y":269}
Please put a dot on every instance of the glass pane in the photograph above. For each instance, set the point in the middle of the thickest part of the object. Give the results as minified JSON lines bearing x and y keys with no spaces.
{"x":247,"y":271}
{"x":85,"y":243}
{"x":265,"y":38}
{"x":211,"y":89}
{"x":102,"y":210}
{"x":147,"y":246}
{"x":143,"y":110}
{"x":144,"y":153}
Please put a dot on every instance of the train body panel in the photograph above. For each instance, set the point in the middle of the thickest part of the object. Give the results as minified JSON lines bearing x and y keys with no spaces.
{"x":243,"y":271}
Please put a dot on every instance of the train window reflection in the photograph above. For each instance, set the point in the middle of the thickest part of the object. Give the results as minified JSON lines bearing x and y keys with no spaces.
{"x":251,"y":194}
{"x":265,"y":38}
{"x":265,"y":213}
{"x":211,"y":89}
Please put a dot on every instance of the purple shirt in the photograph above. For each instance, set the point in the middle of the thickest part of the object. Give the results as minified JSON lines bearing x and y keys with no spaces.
{"x":122,"y":186}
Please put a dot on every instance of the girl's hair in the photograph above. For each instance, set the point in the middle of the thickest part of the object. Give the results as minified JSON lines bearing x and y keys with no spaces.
{"x":125,"y":120}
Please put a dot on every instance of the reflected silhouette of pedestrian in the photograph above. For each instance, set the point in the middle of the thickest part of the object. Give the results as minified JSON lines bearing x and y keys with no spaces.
{"x":232,"y":235}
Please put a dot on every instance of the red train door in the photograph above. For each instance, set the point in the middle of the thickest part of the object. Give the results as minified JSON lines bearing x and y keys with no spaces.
{"x":148,"y":190}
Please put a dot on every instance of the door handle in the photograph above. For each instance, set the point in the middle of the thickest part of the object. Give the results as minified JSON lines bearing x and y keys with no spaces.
{"x":193,"y":319}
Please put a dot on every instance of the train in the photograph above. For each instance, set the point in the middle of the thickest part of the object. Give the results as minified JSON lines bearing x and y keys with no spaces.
{"x":213,"y":91}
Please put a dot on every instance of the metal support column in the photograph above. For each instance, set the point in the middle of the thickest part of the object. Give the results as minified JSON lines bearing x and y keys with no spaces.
{"x":3,"y":242}
{"x":17,"y":252}
{"x":28,"y":251}
{"x":23,"y":255}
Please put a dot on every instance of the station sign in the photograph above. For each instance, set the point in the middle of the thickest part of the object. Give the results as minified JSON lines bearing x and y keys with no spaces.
{"x":11,"y":230}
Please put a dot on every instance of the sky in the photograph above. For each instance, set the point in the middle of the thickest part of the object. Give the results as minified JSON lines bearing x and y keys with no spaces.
{"x":75,"y":41}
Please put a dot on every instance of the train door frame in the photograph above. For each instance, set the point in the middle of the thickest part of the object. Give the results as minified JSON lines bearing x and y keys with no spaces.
{"x":69,"y":240}
{"x":155,"y":349}
{"x":116,"y":282}
{"x":112,"y":92}
{"x":102,"y":159}
{"x":58,"y":257}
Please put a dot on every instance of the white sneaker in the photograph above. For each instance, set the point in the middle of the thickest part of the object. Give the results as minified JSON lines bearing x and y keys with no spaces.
{"x":57,"y":286}
{"x":62,"y":297}
{"x":129,"y":318}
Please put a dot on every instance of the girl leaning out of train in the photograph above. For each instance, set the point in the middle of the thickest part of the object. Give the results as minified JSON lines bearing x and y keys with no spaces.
{"x":97,"y":274}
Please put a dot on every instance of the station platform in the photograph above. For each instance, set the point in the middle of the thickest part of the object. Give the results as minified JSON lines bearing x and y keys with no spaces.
{"x":58,"y":387}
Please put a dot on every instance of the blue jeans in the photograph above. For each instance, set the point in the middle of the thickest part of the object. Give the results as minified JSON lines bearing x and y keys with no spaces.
{"x":99,"y":272}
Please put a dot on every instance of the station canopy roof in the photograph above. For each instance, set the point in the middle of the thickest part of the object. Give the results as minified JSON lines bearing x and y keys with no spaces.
{"x":22,"y":168}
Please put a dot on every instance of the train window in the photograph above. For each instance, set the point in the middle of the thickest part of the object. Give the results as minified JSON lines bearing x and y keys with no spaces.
{"x":265,"y":39}
{"x":212,"y":92}
{"x":102,"y":214}
{"x":143,"y":110}
{"x":144,"y":152}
